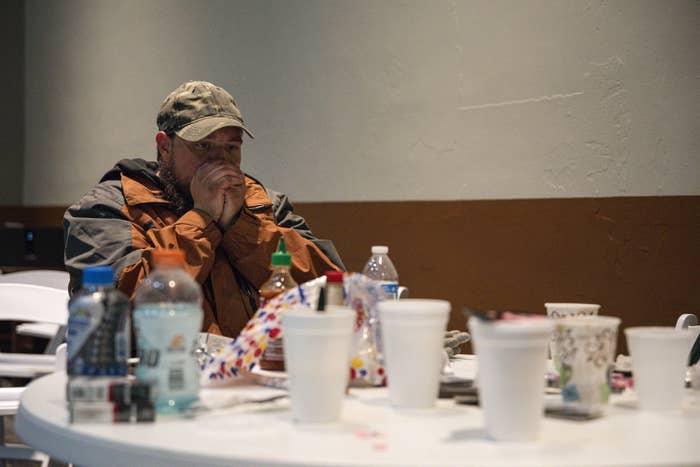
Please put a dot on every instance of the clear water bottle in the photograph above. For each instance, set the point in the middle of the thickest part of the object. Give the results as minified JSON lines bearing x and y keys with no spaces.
{"x":98,"y":331}
{"x":380,"y":268}
{"x":167,"y":320}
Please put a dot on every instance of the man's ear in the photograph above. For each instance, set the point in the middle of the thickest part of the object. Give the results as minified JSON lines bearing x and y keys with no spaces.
{"x":165,"y":146}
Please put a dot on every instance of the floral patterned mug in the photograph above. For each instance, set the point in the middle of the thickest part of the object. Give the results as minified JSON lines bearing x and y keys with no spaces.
{"x":563,"y":310}
{"x":583,"y":352}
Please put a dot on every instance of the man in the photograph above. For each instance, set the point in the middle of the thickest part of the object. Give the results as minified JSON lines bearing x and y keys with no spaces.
{"x":194,"y":198}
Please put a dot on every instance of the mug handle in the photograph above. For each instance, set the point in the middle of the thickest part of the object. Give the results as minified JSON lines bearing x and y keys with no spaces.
{"x":685,"y":320}
{"x":402,"y":292}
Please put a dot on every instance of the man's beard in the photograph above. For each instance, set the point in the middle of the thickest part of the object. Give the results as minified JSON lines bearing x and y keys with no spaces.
{"x":182,"y":202}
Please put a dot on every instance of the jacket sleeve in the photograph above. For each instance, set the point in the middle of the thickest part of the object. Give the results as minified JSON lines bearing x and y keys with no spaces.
{"x":253,"y":238}
{"x":98,"y":232}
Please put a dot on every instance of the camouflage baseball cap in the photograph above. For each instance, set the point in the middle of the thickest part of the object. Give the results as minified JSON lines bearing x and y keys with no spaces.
{"x":196,"y":109}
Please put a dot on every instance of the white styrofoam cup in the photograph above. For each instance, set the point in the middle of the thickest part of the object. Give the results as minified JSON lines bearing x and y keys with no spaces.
{"x":659,"y":360}
{"x":512,"y":358}
{"x":412,"y":332}
{"x":317,"y":358}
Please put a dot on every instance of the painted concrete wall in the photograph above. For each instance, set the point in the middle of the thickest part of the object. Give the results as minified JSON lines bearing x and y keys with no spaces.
{"x":12,"y":114}
{"x":379,"y":100}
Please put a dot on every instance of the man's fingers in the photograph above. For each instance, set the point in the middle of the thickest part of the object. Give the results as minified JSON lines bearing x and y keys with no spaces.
{"x":453,"y":340}
{"x":456,"y":337}
{"x":224,"y":179}
{"x":463,"y":337}
{"x":210,"y":169}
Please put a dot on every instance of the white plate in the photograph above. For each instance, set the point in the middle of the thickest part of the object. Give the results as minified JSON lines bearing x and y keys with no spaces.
{"x":273,"y":379}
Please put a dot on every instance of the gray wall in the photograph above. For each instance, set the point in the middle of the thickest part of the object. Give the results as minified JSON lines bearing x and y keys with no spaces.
{"x":12,"y":114}
{"x":379,"y":100}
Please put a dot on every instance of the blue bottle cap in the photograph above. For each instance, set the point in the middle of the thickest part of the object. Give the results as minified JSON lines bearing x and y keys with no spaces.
{"x":98,"y":275}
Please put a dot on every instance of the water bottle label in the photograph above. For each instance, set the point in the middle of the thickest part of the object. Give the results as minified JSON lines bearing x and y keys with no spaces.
{"x":391,"y":289}
{"x":94,"y":333}
{"x":76,"y":335}
{"x":166,"y":343}
{"x":121,"y":343}
{"x":85,"y":316}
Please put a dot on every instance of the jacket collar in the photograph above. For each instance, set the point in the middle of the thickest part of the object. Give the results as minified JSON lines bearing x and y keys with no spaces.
{"x":255,"y":194}
{"x":141,"y":192}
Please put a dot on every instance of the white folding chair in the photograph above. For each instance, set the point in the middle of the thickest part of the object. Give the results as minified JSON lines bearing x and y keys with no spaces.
{"x":33,"y":303}
{"x":47,"y":278}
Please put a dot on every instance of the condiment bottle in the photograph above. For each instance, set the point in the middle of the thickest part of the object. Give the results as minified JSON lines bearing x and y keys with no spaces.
{"x":334,"y":289}
{"x":280,"y":280}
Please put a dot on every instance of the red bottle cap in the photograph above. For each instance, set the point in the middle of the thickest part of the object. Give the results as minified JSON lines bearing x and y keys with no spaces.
{"x":334,"y":276}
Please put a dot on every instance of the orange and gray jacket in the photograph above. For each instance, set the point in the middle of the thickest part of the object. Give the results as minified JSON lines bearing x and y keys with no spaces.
{"x":126,"y":216}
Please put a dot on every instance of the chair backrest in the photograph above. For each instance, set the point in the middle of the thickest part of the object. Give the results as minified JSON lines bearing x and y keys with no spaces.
{"x":25,"y":302}
{"x":45,"y":277}
{"x":61,"y":356}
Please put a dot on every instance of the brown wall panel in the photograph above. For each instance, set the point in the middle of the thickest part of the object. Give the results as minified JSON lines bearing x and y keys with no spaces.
{"x":637,"y":256}
{"x":41,"y":216}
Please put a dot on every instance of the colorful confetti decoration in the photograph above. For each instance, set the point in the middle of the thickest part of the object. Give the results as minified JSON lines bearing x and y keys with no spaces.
{"x":242,"y":355}
{"x":367,"y":365}
{"x":245,"y":351}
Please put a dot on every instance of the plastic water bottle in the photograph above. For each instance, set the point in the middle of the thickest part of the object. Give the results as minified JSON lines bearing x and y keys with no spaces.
{"x":380,"y":268}
{"x":167,"y":320}
{"x":98,"y":331}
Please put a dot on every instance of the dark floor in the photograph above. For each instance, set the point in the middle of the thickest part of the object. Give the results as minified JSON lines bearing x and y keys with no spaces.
{"x":10,"y":435}
{"x":12,"y":438}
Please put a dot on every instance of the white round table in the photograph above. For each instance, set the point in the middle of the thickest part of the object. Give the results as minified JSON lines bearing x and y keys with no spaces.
{"x":370,"y":433}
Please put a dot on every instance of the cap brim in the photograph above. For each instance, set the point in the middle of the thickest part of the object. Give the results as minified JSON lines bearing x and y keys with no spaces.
{"x":204,"y":127}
